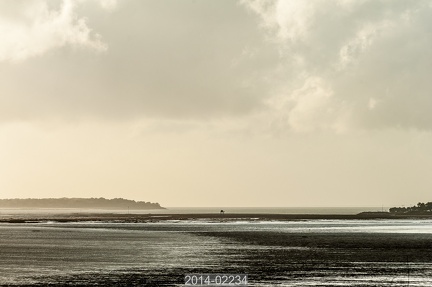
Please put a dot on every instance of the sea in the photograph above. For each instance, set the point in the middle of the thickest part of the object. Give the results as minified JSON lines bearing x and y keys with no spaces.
{"x":162,"y":253}
{"x":194,"y":210}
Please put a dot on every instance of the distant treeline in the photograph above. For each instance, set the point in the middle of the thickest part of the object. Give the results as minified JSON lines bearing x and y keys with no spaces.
{"x":98,"y":203}
{"x":420,"y":208}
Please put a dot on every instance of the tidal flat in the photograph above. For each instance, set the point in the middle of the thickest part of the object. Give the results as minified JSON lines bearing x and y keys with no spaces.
{"x":307,"y":252}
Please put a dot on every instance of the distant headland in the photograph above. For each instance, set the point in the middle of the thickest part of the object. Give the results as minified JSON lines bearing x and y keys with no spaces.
{"x":90,"y":203}
{"x":421,"y":208}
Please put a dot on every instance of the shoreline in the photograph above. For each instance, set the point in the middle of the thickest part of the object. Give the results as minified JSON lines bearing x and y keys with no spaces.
{"x":144,"y":218}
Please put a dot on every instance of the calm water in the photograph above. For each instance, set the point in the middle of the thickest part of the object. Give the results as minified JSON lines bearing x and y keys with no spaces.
{"x":44,"y":253}
{"x":273,"y":210}
{"x":185,"y":210}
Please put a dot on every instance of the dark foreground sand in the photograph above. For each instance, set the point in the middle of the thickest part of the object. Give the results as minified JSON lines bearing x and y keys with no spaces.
{"x":290,"y":259}
{"x":386,"y":259}
{"x":337,"y":259}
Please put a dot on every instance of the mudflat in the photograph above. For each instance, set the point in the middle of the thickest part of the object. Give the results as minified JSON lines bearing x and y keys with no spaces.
{"x":130,"y":217}
{"x":270,"y":255}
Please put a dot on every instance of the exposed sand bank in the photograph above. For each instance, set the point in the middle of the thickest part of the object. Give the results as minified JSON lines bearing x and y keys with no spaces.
{"x":130,"y":218}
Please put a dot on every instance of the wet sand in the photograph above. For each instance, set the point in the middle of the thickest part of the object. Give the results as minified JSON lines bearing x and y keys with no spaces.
{"x":131,"y":218}
{"x":299,"y":259}
{"x":346,"y":259}
{"x":273,"y":258}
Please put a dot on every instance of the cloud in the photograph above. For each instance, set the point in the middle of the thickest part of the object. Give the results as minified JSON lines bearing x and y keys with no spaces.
{"x":32,"y":28}
{"x":108,"y":4}
{"x":311,"y":107}
{"x":297,"y":66}
{"x":166,"y":60}
{"x":363,"y":52}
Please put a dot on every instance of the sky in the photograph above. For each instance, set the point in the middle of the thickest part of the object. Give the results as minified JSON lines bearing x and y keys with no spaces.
{"x":217,"y":103}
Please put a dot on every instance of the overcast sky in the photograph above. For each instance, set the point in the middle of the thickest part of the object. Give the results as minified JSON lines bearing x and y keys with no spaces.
{"x":217,"y":103}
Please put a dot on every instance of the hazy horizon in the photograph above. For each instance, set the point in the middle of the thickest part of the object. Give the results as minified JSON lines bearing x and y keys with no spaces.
{"x":217,"y":103}
{"x":215,"y":206}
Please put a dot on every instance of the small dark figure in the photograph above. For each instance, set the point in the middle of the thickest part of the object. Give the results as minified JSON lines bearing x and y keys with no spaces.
{"x":222,"y":211}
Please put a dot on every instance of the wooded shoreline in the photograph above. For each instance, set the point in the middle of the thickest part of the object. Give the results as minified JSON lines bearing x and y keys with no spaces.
{"x":87,"y":203}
